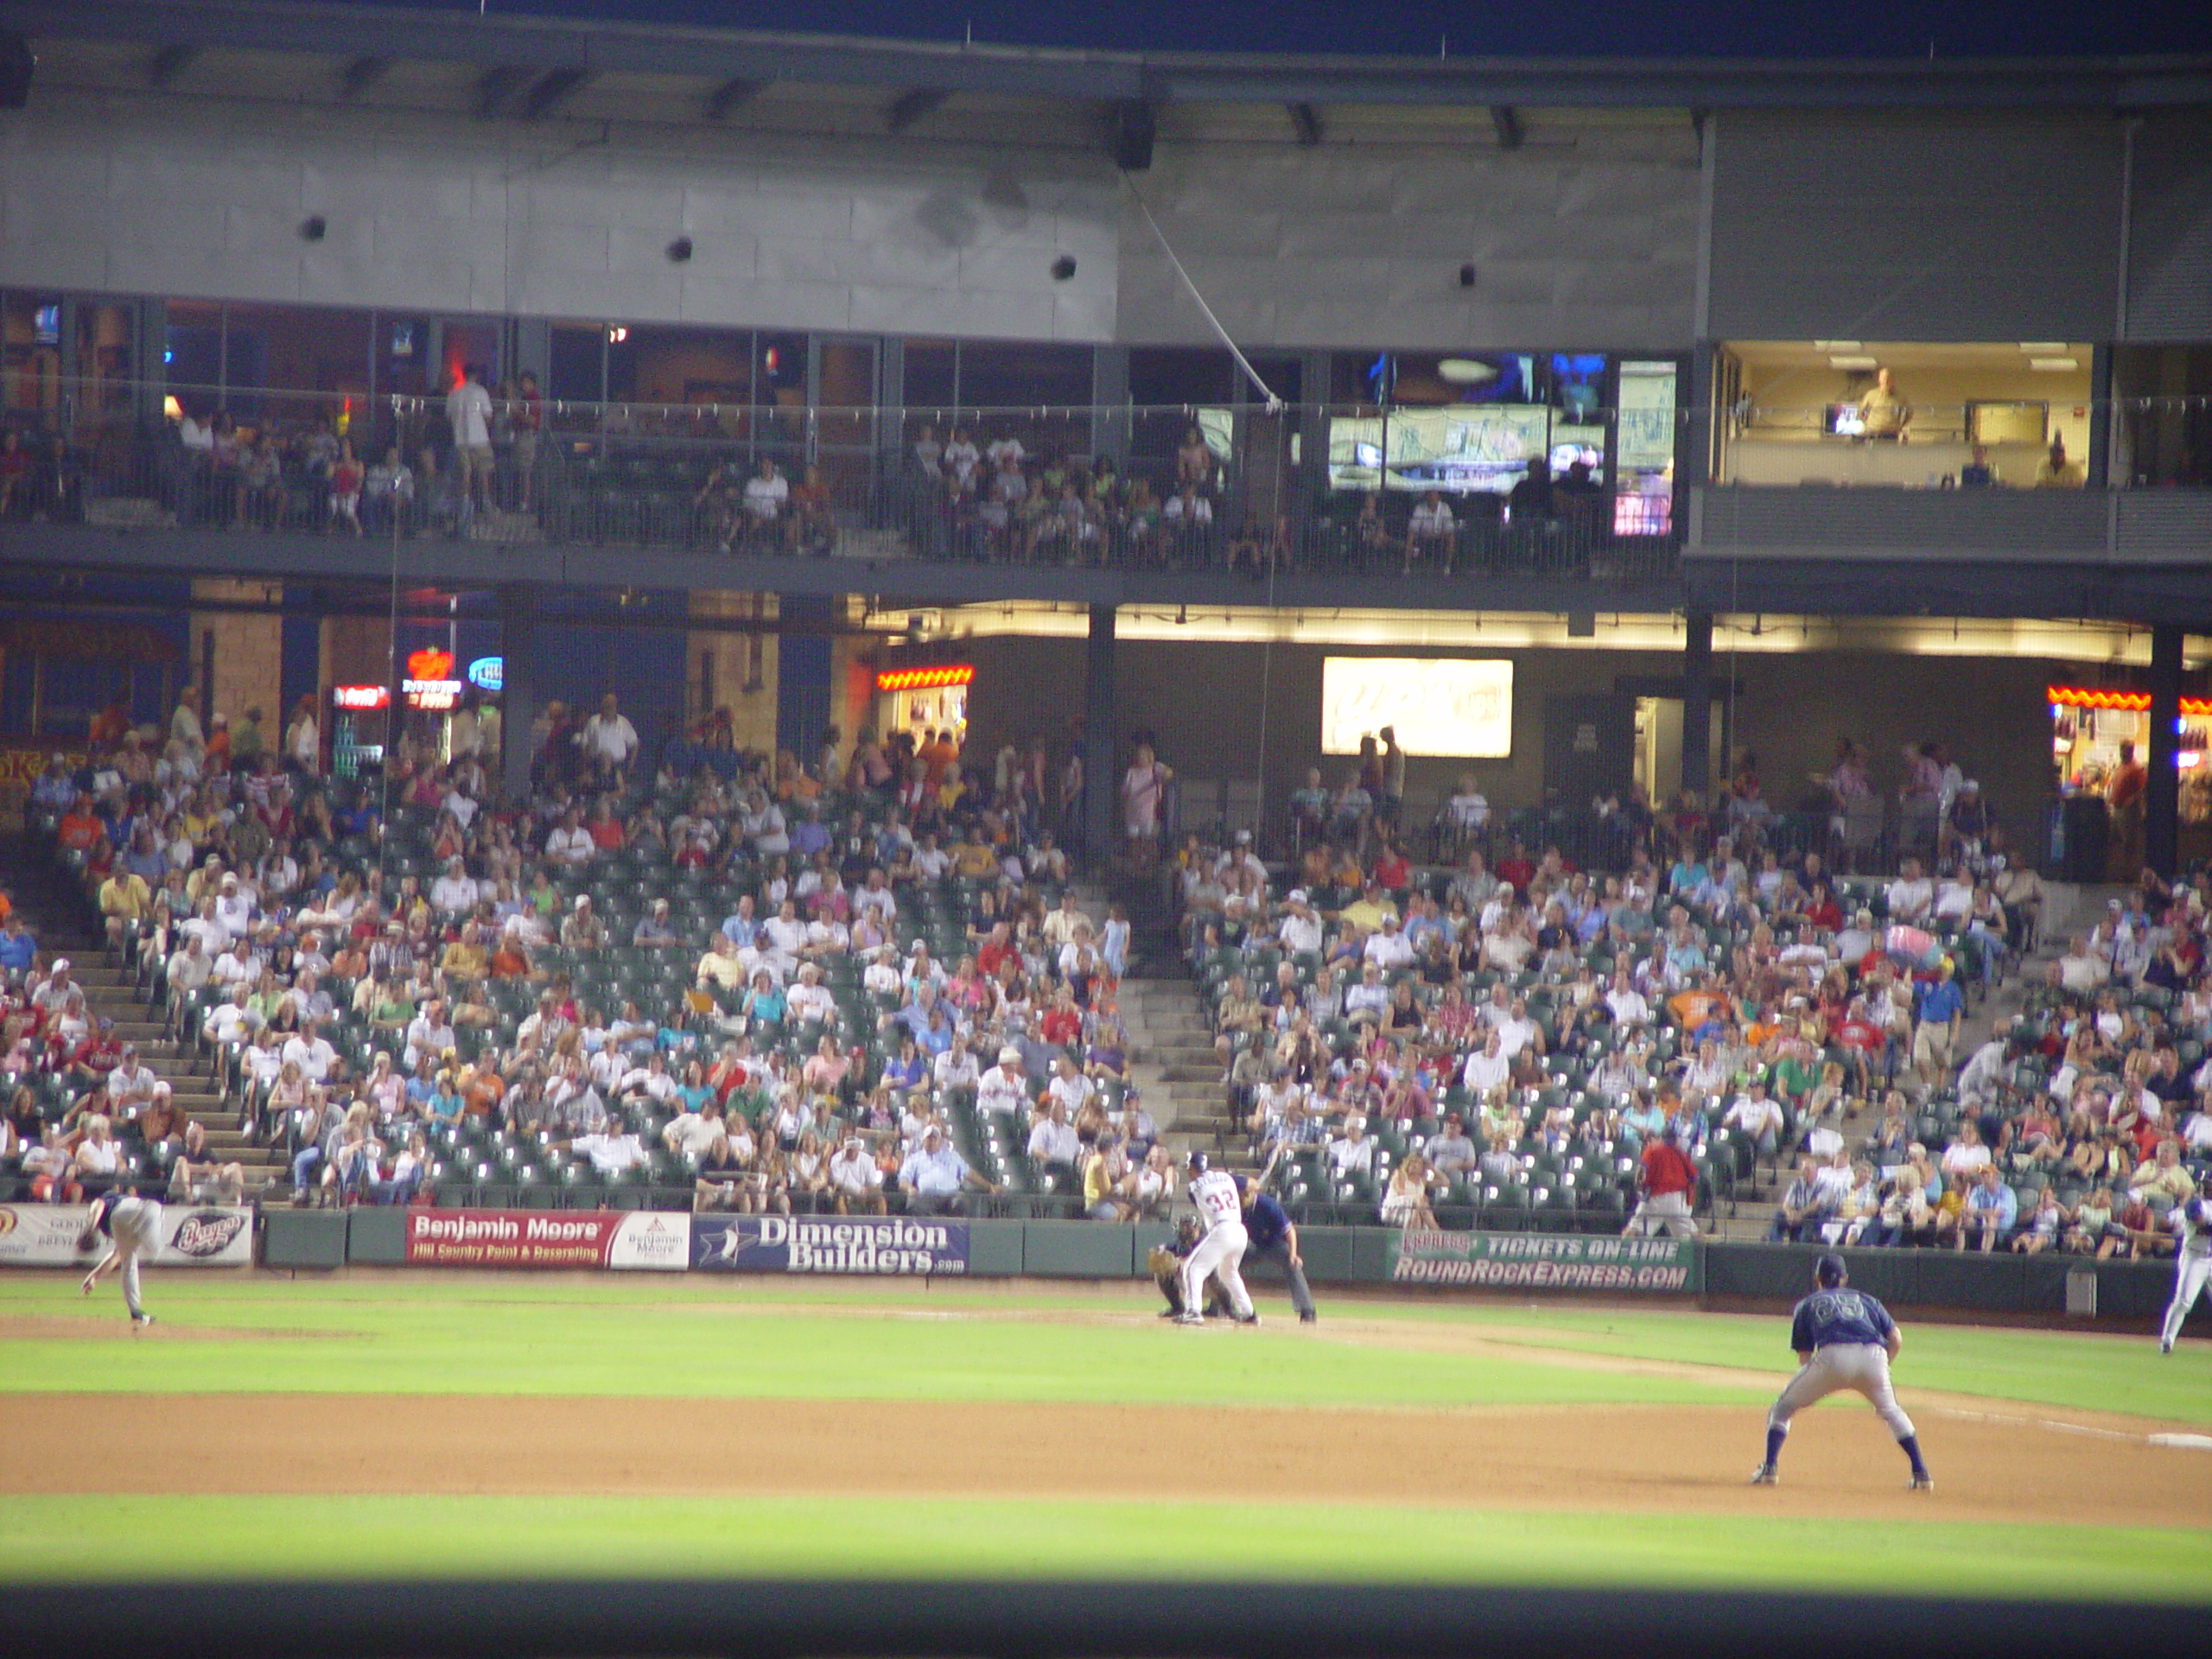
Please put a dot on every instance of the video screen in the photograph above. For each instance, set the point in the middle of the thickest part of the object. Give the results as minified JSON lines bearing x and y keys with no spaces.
{"x":1459,"y":451}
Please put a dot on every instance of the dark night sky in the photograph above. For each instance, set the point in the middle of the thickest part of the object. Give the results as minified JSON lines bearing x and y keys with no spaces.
{"x":1739,"y":28}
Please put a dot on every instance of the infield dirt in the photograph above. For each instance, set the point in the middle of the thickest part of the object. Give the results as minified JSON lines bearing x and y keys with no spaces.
{"x":1634,"y":1459}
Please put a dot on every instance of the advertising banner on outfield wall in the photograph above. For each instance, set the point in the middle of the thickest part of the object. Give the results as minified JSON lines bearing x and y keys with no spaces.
{"x":880,"y":1244}
{"x":193,"y":1235}
{"x":1544,"y":1262}
{"x":624,"y":1240}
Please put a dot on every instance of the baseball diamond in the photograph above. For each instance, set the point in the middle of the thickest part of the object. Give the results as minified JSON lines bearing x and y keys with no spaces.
{"x":1016,"y":1429}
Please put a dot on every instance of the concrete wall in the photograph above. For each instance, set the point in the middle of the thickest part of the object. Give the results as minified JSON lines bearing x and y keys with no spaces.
{"x":1586,"y":237}
{"x":1589,"y":241}
{"x":1206,"y":703}
{"x":442,"y":214}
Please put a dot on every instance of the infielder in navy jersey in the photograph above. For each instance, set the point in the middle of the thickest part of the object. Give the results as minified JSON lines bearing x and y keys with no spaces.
{"x":1844,"y":1339}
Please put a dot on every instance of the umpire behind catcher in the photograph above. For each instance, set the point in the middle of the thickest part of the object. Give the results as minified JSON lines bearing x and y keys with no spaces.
{"x":1273,"y":1238}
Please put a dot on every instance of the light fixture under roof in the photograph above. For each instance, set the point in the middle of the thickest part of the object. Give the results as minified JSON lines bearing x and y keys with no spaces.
{"x":2045,"y":348}
{"x":2054,"y":364}
{"x":1846,"y":362}
{"x":1465,"y":371}
{"x":1835,"y":345}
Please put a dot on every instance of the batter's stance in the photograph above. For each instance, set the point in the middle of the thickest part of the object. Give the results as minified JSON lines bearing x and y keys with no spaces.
{"x":132,"y":1227}
{"x":1844,"y":1339}
{"x":1221,"y":1251}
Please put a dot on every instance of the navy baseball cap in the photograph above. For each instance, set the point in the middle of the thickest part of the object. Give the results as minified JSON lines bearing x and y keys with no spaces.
{"x":1829,"y":1271}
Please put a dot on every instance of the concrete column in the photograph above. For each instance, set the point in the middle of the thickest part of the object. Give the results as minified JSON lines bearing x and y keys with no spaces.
{"x":1100,"y":774}
{"x":1697,"y":704}
{"x":2096,"y":466}
{"x":2162,"y":800}
{"x":518,"y":694}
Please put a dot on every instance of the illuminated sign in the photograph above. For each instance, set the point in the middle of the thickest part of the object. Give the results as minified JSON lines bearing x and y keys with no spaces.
{"x":488,"y":673}
{"x":1451,"y":707}
{"x":924,"y":679}
{"x":2137,"y":702}
{"x":429,"y":685}
{"x":359,"y":697}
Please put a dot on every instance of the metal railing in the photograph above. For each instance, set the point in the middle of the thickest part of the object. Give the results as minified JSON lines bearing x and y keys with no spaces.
{"x":1012,"y":486}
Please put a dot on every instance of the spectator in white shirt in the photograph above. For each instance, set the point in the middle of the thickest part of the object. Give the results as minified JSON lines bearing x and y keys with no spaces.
{"x":1487,"y":1069}
{"x":454,"y":892}
{"x":1052,"y":1138}
{"x":613,"y":1150}
{"x":1352,"y":1152}
{"x":1627,"y":1003}
{"x":1430,"y":529}
{"x":570,"y":844}
{"x":1004,"y":1087}
{"x":1300,"y":930}
{"x":1388,"y":948}
{"x":1068,"y":1086}
{"x":1912,"y":897}
{"x":609,"y":740}
{"x":854,"y":1178}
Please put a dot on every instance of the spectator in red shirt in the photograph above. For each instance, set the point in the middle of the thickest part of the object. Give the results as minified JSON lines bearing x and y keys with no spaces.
{"x":79,"y":827}
{"x":1668,"y":1181}
{"x":1394,"y":872}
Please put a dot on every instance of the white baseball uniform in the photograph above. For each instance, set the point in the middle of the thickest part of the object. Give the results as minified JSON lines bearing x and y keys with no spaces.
{"x":2192,"y":1267}
{"x":134,"y":1226}
{"x":1222,"y":1250}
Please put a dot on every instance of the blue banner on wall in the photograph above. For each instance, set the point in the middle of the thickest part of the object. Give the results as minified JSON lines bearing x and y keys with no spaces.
{"x":875,"y":1244}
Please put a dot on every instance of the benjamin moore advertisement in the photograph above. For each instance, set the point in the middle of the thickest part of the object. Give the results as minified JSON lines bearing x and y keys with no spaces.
{"x":1559,"y":1261}
{"x":619,"y":1239}
{"x":193,"y":1235}
{"x":880,"y":1244}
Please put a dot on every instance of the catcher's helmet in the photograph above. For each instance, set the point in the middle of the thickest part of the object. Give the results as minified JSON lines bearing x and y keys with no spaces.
{"x":1828,"y":1271}
{"x":1196,"y":1163}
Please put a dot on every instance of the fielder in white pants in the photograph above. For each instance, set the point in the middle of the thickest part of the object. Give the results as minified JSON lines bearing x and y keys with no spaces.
{"x":2192,"y":1266}
{"x":133,"y":1228}
{"x":1221,"y":1252}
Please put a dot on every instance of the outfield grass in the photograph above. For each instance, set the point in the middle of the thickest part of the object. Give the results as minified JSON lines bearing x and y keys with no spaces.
{"x":93,"y":1537}
{"x":689,"y":1341}
{"x":684,"y":1337}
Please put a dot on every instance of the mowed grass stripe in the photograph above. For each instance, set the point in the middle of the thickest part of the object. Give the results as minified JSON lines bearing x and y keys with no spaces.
{"x":412,"y":1345}
{"x":80,"y":1538}
{"x":641,"y":1334}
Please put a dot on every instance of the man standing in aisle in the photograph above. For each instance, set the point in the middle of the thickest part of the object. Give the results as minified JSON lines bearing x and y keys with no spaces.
{"x":1668,"y":1179}
{"x":468,"y":408}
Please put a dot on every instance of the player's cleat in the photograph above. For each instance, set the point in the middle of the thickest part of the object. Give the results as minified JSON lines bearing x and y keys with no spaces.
{"x":1309,"y":1318}
{"x":2165,"y":1347}
{"x":1923,"y":1482}
{"x":140,"y":1321}
{"x":1250,"y":1318}
{"x":1763,"y":1475}
{"x":1190,"y":1318}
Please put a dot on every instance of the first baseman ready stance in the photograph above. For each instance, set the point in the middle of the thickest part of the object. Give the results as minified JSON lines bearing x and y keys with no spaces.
{"x":1844,"y":1339}
{"x":2192,"y":1264}
{"x":1221,"y":1252}
{"x":132,"y":1227}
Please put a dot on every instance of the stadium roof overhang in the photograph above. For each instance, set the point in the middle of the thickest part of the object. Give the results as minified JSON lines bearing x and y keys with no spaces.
{"x":531,"y":67}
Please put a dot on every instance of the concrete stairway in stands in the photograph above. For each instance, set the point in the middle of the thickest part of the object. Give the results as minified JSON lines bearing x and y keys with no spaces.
{"x":65,"y":927}
{"x":1172,"y":1056}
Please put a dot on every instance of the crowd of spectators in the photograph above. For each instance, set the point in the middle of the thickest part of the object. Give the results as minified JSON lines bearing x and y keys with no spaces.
{"x":1515,"y":1035}
{"x":775,"y":984}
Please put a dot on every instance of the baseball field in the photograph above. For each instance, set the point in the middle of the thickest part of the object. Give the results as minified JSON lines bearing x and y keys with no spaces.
{"x":425,"y":1423}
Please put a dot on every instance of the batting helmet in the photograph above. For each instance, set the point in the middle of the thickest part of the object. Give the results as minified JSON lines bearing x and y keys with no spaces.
{"x":1197,"y":1163}
{"x":1828,"y":1272}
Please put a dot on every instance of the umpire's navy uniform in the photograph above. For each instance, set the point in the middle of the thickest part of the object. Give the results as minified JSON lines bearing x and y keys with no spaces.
{"x":1268,"y":1230}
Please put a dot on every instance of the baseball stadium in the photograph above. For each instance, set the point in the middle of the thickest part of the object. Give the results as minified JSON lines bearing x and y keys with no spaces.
{"x":1257,"y":831}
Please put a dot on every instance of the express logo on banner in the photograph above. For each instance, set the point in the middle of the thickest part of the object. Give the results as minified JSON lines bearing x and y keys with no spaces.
{"x":7,"y":1221}
{"x":209,"y":1233}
